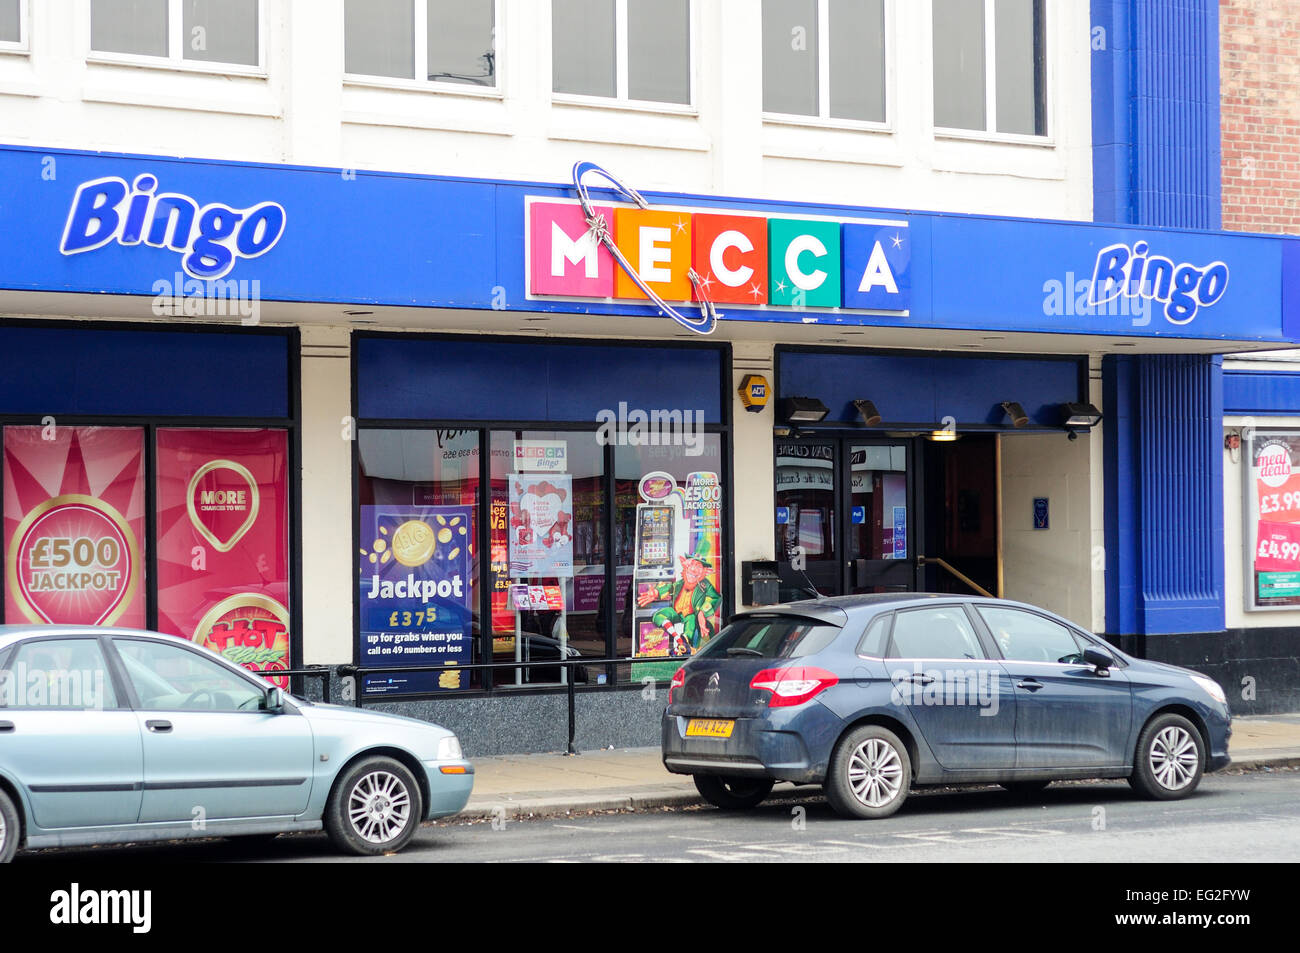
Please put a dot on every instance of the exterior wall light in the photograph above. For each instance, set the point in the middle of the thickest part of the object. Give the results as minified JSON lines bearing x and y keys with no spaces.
{"x":803,"y":410}
{"x":1017,"y":413}
{"x":1076,"y":417}
{"x":867,"y":410}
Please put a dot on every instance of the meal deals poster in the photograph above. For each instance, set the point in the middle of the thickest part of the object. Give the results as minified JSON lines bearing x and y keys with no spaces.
{"x":1273,"y":509}
{"x":223,"y":543}
{"x":678,"y":616}
{"x":416,"y":596}
{"x":74,"y":523}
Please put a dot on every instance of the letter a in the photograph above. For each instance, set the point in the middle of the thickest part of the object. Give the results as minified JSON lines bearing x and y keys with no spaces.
{"x":878,"y":272}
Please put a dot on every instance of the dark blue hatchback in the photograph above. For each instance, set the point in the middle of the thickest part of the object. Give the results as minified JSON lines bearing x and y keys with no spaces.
{"x":870,"y":695}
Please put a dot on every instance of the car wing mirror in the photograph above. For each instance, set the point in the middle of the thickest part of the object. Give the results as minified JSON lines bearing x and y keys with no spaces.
{"x":274,"y":700}
{"x":1099,"y":659}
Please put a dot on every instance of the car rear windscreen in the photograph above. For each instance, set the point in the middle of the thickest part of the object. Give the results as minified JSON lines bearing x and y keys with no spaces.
{"x":781,"y":636}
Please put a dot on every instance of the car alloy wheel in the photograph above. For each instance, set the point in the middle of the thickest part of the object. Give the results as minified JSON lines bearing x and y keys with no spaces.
{"x":375,"y":808}
{"x":875,"y":773}
{"x":379,"y":807}
{"x":1169,"y":759}
{"x":869,"y":773}
{"x":1174,"y":758}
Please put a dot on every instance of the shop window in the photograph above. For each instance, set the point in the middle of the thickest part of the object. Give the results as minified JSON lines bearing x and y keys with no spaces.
{"x":440,"y":41}
{"x":214,"y":31}
{"x":548,"y":564}
{"x":418,"y":584}
{"x":12,"y":20}
{"x":668,"y":569}
{"x":989,"y":66}
{"x":824,"y":59}
{"x":222,"y":526}
{"x":622,"y":49}
{"x":74,"y":525}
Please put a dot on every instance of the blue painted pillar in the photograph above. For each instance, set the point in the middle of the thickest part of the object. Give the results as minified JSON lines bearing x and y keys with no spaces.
{"x":1164,"y":494}
{"x":1156,"y":161}
{"x":1155,"y":112}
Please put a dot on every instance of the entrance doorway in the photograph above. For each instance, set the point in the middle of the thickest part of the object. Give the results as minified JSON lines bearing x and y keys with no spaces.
{"x":865,"y":514}
{"x":961,"y":510}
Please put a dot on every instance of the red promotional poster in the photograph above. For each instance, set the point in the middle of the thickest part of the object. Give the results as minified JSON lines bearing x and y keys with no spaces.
{"x":74,"y":525}
{"x":223,"y":543}
{"x":1277,"y":548}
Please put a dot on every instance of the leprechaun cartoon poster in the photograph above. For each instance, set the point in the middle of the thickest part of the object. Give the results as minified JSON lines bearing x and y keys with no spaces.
{"x":679,"y":602}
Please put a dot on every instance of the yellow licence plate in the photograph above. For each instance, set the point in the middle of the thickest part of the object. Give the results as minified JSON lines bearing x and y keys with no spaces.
{"x":709,"y":728}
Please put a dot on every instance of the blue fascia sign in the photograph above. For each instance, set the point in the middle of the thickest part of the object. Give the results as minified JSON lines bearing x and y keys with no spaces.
{"x":98,"y":223}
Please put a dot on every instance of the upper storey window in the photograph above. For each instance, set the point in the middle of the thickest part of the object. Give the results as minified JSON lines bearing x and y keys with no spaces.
{"x":436,"y":41}
{"x":210,"y":31}
{"x":989,"y":66}
{"x":824,"y":59}
{"x":631,"y":50}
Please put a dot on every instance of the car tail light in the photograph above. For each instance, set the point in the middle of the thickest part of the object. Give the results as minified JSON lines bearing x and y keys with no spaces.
{"x":792,"y":686}
{"x":679,"y":679}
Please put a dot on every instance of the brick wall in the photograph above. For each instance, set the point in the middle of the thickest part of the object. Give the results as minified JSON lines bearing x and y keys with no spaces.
{"x":1259,"y":66}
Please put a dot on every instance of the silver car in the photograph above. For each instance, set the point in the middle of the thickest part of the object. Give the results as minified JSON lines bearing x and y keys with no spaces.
{"x":115,"y":735}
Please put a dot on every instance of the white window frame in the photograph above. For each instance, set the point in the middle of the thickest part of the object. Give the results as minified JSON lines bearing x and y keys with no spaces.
{"x":824,"y":117}
{"x":989,"y":133}
{"x":620,"y":99}
{"x":175,"y":58}
{"x":420,"y":50}
{"x":23,"y":43}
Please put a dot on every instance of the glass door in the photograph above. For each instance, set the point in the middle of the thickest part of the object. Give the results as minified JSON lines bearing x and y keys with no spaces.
{"x":844,"y":516}
{"x":879,"y":545}
{"x":807,"y":499}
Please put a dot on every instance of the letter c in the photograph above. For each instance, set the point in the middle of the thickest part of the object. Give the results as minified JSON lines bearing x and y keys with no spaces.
{"x":808,"y":281}
{"x":731,"y":277}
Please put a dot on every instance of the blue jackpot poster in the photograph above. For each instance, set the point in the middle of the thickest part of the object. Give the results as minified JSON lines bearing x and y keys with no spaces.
{"x":415,"y":595}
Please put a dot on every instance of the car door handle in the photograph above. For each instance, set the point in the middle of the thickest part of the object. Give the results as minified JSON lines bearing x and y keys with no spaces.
{"x":1031,"y":684}
{"x":919,"y":679}
{"x":158,"y":725}
{"x":6,"y":726}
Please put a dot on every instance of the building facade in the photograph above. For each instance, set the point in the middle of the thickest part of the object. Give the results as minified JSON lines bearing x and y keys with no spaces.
{"x":311,"y":351}
{"x":1259,"y":45}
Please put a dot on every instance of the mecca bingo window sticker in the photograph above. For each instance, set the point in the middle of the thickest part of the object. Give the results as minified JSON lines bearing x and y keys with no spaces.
{"x":1271,"y":529}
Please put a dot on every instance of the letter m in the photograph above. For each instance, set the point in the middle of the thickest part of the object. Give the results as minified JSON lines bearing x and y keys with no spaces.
{"x":579,"y":251}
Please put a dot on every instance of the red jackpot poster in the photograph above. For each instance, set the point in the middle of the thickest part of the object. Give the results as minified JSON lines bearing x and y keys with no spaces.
{"x":74,"y":525}
{"x":223,"y":543}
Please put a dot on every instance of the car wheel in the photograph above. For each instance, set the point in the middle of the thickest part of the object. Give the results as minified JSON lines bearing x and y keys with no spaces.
{"x":1025,"y":788}
{"x":732,"y":793}
{"x":11,"y":830}
{"x":1169,"y":760}
{"x":375,"y":808}
{"x":870,"y":773}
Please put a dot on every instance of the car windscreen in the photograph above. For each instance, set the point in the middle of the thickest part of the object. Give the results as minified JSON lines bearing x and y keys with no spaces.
{"x":776,"y":636}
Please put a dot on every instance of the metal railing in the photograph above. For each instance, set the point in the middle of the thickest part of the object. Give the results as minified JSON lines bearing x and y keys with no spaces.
{"x":312,"y":671}
{"x":944,"y":564}
{"x":360,"y":671}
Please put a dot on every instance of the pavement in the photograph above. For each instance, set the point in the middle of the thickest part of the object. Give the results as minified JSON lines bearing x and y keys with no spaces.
{"x":540,"y":785}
